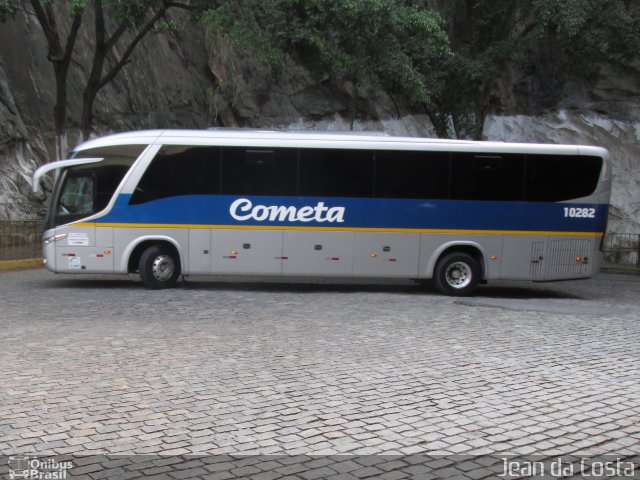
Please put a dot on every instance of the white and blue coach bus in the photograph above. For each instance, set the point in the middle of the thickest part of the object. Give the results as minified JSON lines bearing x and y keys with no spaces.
{"x":220,"y":202}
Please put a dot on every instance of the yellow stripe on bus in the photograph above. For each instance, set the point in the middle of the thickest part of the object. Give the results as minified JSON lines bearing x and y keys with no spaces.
{"x":339,"y":229}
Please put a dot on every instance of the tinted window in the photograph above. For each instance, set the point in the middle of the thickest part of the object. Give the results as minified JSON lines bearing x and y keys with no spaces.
{"x":561,"y":177}
{"x":476,"y":176}
{"x":259,"y":171}
{"x":108,"y":179}
{"x":412,"y":174}
{"x":78,"y":195}
{"x":180,"y":171}
{"x":85,"y":191}
{"x":336,"y":173}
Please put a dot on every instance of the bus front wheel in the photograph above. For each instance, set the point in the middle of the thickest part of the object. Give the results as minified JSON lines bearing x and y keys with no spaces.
{"x":457,"y":274}
{"x":159,"y":267}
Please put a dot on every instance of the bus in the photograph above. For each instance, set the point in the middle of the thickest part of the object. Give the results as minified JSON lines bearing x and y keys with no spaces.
{"x":166,"y":203}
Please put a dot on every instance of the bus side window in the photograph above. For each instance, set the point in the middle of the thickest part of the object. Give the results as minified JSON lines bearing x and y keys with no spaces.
{"x":407,"y":174}
{"x":178,"y":171}
{"x":336,"y":173}
{"x":259,"y":171}
{"x":486,"y":176}
{"x":561,"y":177}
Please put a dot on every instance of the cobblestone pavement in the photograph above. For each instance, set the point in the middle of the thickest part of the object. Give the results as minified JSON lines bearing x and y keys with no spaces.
{"x":99,"y":365}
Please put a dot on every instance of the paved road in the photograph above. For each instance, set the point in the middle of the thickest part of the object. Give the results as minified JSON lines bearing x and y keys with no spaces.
{"x":93,"y":365}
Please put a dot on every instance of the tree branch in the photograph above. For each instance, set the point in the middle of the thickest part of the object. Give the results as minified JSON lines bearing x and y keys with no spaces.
{"x":99,"y":23}
{"x":134,"y":43}
{"x":48,"y":28}
{"x":71,"y":39}
{"x":116,"y":36}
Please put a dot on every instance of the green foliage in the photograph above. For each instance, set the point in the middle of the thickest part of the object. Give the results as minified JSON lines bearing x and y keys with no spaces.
{"x":390,"y":44}
{"x":554,"y":42}
{"x":239,"y":20}
{"x":129,"y":12}
{"x":8,"y":9}
{"x":583,"y":35}
{"x":387,"y":44}
{"x":77,"y":7}
{"x":481,"y":34}
{"x":451,"y":67}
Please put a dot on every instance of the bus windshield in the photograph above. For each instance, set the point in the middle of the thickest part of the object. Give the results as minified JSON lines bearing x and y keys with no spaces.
{"x":84,"y":190}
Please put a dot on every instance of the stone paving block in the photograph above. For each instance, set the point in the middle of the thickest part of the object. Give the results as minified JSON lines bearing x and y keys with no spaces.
{"x":306,"y":368}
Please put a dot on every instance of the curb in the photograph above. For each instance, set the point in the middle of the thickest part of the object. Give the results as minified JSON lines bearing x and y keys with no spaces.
{"x":621,"y":269}
{"x":21,"y":264}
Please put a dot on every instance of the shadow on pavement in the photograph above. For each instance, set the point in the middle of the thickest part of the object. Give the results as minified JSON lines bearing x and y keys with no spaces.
{"x":302,"y":285}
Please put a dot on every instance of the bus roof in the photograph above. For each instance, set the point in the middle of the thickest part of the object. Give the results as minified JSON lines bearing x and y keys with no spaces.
{"x":327,"y":139}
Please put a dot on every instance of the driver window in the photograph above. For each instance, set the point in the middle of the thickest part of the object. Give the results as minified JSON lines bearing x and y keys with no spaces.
{"x":77,"y":195}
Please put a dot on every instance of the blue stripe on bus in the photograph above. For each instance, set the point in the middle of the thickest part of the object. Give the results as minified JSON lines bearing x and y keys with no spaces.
{"x":370,"y":213}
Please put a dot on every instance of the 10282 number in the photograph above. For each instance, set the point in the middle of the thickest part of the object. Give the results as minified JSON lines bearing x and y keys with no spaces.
{"x":574,"y":212}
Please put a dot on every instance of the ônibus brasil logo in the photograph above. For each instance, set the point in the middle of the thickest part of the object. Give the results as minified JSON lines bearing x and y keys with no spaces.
{"x":243,"y":209}
{"x":34,"y":468}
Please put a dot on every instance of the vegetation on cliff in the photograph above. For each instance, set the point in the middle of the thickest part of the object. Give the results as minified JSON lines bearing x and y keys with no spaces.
{"x":447,"y":59}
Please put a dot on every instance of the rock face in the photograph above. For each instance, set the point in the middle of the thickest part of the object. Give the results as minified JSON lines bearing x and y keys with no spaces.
{"x":184,"y":79}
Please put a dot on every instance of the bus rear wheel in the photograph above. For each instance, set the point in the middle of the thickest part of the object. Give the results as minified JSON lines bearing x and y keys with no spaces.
{"x":159,"y":267}
{"x":457,"y":274}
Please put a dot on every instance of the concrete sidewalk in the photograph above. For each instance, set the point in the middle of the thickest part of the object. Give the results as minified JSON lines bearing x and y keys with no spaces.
{"x":21,"y":264}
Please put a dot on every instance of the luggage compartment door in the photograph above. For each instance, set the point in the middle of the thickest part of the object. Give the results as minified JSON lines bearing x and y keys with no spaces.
{"x":246,"y":252}
{"x":317,"y":253}
{"x":386,"y":254}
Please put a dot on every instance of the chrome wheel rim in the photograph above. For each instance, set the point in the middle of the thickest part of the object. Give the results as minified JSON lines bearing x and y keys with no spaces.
{"x":458,"y":275}
{"x":163,"y":268}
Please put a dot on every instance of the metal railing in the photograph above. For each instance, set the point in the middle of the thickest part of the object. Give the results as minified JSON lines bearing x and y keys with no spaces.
{"x":622,"y":249}
{"x":20,"y":239}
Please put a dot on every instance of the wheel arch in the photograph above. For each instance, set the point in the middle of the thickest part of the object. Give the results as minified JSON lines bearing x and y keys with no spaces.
{"x":133,"y":252}
{"x":470,"y":248}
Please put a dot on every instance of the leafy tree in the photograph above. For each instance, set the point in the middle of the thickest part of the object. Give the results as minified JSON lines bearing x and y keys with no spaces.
{"x":389,"y":44}
{"x":556,"y":41}
{"x":481,"y":34}
{"x":7,"y":9}
{"x":135,"y":18}
{"x":574,"y":39}
{"x":451,"y":68}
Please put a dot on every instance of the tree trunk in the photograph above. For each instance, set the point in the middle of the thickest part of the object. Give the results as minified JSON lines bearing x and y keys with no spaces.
{"x":60,"y":110}
{"x":440,"y":122}
{"x":60,"y":57}
{"x":97,"y":80}
{"x":354,"y":105}
{"x":89,"y":96}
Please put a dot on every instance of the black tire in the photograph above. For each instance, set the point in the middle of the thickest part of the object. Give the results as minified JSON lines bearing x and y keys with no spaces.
{"x":159,"y":267}
{"x":457,"y":274}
